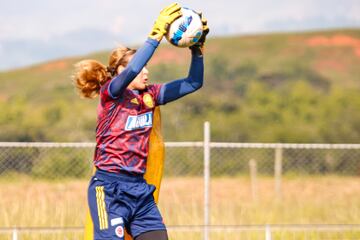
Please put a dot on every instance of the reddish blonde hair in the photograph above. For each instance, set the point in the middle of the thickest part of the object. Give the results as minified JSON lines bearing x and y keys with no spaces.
{"x":90,"y":74}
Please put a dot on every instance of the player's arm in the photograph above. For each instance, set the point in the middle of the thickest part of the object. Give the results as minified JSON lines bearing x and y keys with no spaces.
{"x":178,"y":88}
{"x":119,"y":83}
{"x":143,"y":55}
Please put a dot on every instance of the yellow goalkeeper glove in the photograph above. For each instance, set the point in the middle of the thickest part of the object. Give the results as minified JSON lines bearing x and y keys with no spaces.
{"x":165,"y":18}
{"x":199,"y":46}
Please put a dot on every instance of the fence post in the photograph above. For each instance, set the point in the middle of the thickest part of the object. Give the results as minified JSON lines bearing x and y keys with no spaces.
{"x":253,"y":173}
{"x":267,"y":233}
{"x":206,"y":179}
{"x":278,"y":171}
{"x":15,"y":234}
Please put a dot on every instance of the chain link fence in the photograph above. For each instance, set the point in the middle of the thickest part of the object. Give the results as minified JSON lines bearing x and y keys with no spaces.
{"x":250,"y":185}
{"x":46,"y":160}
{"x":74,"y":160}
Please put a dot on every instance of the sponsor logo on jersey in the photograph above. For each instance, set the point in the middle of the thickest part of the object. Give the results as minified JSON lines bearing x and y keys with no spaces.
{"x":148,"y":101}
{"x":134,"y":101}
{"x":139,"y":121}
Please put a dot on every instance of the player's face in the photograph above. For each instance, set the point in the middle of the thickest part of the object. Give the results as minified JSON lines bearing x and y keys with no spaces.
{"x":141,"y":80}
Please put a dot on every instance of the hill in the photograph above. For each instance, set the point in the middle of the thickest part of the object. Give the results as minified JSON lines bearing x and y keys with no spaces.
{"x":288,"y":87}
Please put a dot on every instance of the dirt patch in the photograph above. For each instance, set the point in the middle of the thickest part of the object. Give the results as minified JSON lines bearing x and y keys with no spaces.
{"x":56,"y":65}
{"x":330,"y":64}
{"x":338,"y":40}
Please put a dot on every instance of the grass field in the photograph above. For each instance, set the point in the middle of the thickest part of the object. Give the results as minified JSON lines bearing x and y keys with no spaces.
{"x":306,"y":200}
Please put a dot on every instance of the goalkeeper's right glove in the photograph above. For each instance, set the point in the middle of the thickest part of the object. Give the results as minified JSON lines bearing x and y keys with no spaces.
{"x":165,"y":18}
{"x":199,"y":46}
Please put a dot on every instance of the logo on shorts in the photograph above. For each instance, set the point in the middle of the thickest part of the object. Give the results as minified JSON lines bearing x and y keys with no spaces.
{"x":119,"y":231}
{"x":116,"y":221}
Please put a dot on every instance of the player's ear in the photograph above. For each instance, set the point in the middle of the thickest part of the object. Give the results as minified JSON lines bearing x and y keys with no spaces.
{"x":119,"y":69}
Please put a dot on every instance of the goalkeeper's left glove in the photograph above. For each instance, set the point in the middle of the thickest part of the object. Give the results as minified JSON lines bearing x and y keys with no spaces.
{"x":199,"y":46}
{"x":165,"y":18}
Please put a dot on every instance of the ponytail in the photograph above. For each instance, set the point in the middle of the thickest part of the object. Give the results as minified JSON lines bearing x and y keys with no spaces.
{"x":89,"y":76}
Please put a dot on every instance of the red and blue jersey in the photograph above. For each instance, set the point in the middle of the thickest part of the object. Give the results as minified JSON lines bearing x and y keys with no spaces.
{"x":123,"y":129}
{"x":125,"y":116}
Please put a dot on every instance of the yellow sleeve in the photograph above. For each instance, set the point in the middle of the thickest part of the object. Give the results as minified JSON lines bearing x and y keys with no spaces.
{"x":155,"y":162}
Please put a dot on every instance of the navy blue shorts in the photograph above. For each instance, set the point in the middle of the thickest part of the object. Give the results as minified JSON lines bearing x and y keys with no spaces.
{"x":118,"y":202}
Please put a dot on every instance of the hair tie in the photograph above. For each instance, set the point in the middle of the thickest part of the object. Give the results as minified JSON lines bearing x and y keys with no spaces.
{"x":111,"y":70}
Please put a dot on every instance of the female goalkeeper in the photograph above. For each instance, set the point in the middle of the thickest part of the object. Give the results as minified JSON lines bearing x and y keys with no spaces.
{"x":118,"y":195}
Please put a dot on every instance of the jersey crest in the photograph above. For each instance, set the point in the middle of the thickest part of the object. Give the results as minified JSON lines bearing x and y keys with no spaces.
{"x":148,"y":100}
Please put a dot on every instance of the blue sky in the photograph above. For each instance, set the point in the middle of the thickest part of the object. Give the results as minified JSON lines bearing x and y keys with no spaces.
{"x":40,"y":30}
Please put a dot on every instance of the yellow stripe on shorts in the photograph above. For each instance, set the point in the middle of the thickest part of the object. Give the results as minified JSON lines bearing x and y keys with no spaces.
{"x":102,"y":214}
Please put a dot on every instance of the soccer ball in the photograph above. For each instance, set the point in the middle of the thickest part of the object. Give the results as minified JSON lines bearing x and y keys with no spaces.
{"x":186,"y":30}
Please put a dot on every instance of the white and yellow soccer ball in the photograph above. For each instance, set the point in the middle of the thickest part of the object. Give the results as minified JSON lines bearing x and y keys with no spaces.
{"x":186,"y":30}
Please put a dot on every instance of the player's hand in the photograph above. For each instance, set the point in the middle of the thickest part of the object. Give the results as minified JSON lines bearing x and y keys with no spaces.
{"x":168,"y":15}
{"x":199,"y":46}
